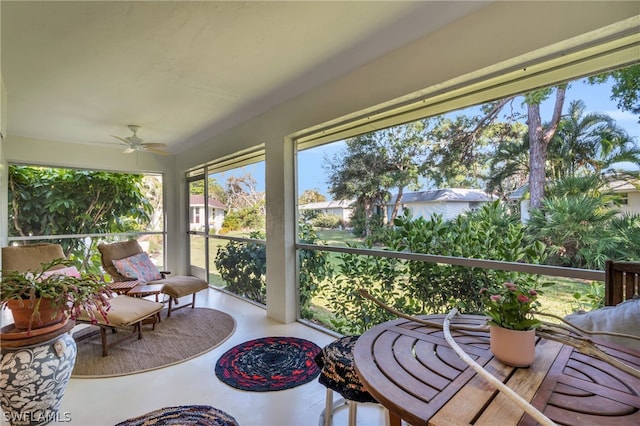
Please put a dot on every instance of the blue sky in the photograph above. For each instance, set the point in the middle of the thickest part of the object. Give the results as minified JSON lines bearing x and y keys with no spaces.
{"x":311,"y":174}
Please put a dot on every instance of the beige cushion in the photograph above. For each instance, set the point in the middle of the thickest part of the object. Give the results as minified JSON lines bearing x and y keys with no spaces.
{"x":622,"y":318}
{"x":119,"y":250}
{"x":125,"y":311}
{"x":30,"y":257}
{"x":177,"y":286}
{"x":181,"y":285}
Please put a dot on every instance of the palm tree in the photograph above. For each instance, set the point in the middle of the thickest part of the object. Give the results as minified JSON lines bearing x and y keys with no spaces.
{"x":587,"y":143}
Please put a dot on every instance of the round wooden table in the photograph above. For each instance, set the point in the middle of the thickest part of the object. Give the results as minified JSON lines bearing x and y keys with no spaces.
{"x":410,"y":369}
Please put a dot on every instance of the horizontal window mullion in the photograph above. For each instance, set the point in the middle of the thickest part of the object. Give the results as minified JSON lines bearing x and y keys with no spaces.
{"x":554,"y":271}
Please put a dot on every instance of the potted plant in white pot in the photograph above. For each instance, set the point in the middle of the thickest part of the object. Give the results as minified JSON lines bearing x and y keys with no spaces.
{"x":38,"y":353}
{"x":512,"y":324}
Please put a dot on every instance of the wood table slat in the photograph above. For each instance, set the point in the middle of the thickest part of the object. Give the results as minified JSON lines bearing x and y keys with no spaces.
{"x":411,"y":369}
{"x":523,"y":381}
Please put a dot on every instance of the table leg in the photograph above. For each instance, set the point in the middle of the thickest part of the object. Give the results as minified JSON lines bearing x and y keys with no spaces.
{"x":394,"y":419}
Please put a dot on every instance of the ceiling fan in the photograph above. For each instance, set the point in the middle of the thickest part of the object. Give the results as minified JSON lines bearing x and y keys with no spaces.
{"x":134,"y":143}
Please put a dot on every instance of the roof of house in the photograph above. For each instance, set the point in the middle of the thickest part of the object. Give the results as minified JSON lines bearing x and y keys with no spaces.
{"x":615,"y":185}
{"x":624,"y":186}
{"x":198,"y":200}
{"x":446,"y":195}
{"x":323,"y":205}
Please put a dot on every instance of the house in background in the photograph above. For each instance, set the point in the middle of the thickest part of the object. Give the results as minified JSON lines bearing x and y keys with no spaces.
{"x":197,"y":214}
{"x":629,"y":193}
{"x":341,"y":208}
{"x":448,"y":202}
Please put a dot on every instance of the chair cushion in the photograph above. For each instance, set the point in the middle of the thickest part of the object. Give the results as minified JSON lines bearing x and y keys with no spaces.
{"x":181,"y":285}
{"x":119,"y":250}
{"x":125,"y":311}
{"x":139,"y":267}
{"x":30,"y":257}
{"x":71,"y":271}
{"x":622,"y":318}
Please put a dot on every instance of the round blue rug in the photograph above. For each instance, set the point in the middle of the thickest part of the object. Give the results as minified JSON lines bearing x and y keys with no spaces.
{"x":269,"y":364}
{"x":194,"y":415}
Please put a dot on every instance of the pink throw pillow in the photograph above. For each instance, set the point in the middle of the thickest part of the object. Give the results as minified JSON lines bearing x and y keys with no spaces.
{"x":71,"y":271}
{"x":138,"y":267}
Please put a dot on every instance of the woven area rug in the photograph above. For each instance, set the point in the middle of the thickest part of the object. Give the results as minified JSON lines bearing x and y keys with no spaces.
{"x":201,"y":415}
{"x":185,"y":335}
{"x":269,"y":364}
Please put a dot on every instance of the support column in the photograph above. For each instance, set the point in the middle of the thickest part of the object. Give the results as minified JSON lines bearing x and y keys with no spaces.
{"x":282,"y":294}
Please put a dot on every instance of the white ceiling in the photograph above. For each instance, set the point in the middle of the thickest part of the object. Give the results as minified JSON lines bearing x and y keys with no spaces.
{"x":82,"y":71}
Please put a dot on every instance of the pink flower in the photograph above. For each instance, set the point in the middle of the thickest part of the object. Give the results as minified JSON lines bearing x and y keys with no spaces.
{"x":496,"y":297}
{"x":510,"y":286}
{"x":524,"y":299}
{"x":533,"y":292}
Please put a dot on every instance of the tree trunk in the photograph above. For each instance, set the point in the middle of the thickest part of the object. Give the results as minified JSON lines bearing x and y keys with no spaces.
{"x":367,"y":218}
{"x":538,"y":142}
{"x":396,"y":207}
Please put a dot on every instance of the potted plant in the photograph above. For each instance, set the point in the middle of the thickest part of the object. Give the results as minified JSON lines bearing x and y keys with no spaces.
{"x":38,"y":352}
{"x":47,"y":297}
{"x":512,"y":324}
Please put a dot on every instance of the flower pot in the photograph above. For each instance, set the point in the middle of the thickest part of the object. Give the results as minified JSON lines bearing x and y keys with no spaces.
{"x":34,"y":374}
{"x":22,"y":311}
{"x":516,"y":348}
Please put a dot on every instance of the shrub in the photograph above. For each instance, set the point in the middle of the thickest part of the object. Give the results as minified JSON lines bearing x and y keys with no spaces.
{"x":417,"y":287}
{"x":243,"y":266}
{"x":326,"y":220}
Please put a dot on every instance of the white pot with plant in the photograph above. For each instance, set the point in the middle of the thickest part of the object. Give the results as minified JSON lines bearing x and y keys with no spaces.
{"x":512,"y":324}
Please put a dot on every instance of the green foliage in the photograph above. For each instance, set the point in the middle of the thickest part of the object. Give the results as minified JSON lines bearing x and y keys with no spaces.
{"x":314,"y":269}
{"x":311,"y":196}
{"x":250,"y":217}
{"x":590,"y":300}
{"x":376,"y":228}
{"x":417,"y":287}
{"x":511,"y":306}
{"x":47,"y":201}
{"x":574,"y":229}
{"x":538,"y":96}
{"x":489,"y":233}
{"x":625,"y":229}
{"x":243,"y":265}
{"x":625,"y":89}
{"x":375,"y":274}
{"x":327,"y":220}
{"x":68,"y":293}
{"x":52,"y":201}
{"x":461,"y":147}
{"x":374,"y":163}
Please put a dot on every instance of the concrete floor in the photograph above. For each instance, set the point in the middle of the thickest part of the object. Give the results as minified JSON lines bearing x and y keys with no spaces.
{"x":96,"y":402}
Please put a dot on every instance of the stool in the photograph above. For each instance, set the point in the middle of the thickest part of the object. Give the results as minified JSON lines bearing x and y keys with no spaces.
{"x":338,"y":374}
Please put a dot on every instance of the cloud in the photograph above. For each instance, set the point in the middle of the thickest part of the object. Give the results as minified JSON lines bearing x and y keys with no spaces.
{"x":622,"y":115}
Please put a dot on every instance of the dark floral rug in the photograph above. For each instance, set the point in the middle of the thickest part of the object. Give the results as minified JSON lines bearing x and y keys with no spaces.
{"x":269,"y":364}
{"x":200,"y":415}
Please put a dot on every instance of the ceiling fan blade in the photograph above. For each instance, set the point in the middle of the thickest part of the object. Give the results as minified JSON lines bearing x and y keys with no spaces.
{"x":157,"y":151}
{"x":155,"y":145}
{"x":122,"y":139}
